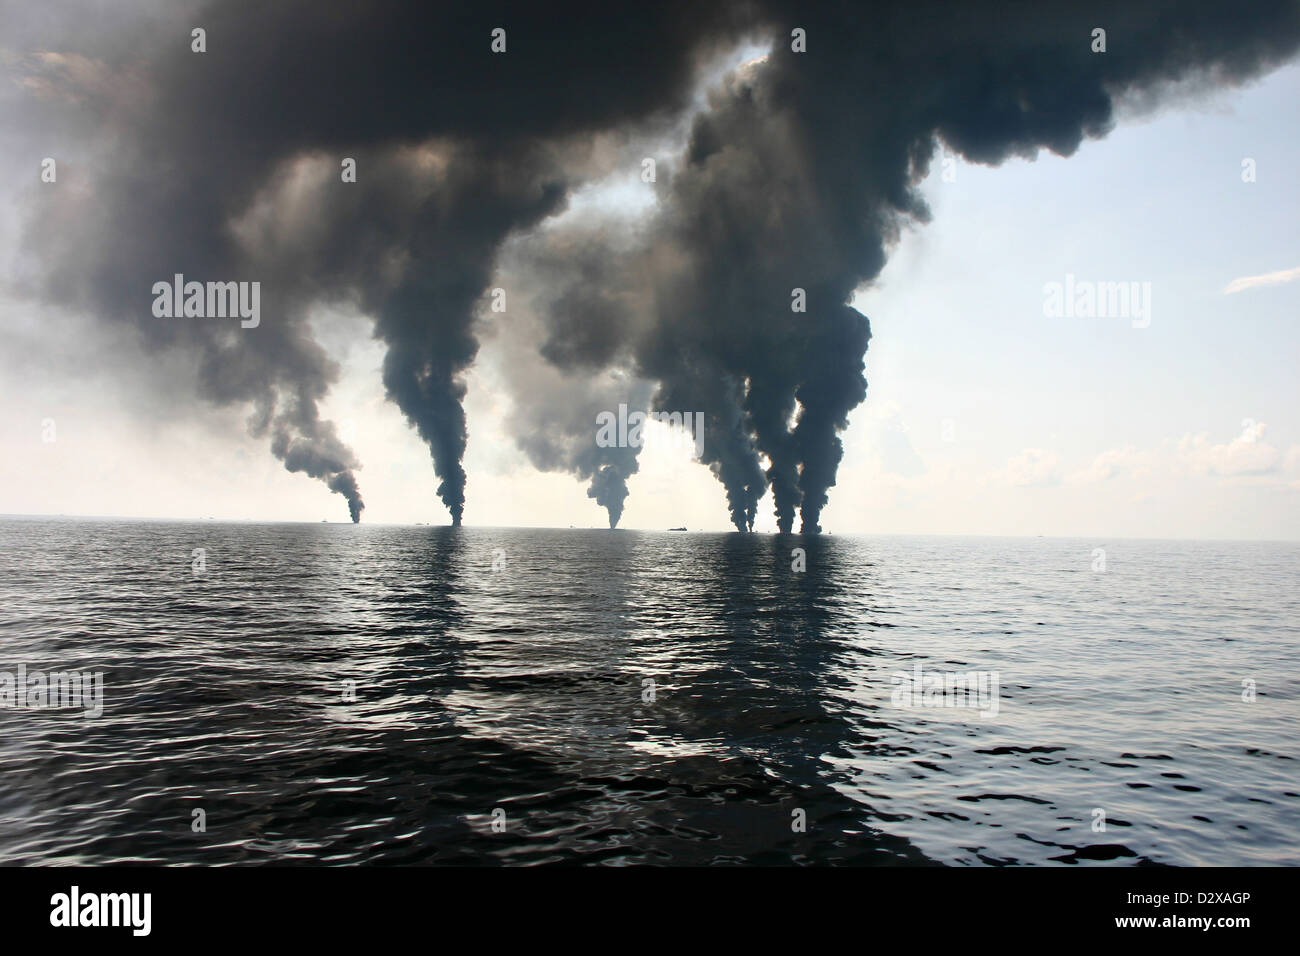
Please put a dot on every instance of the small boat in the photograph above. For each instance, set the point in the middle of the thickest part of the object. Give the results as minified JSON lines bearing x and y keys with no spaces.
{"x":676,"y":529}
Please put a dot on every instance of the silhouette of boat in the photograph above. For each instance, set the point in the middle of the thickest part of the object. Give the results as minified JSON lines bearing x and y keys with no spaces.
{"x":676,"y":529}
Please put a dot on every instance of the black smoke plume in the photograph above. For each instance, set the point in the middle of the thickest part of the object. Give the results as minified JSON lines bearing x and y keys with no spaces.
{"x":803,"y":168}
{"x":797,"y":174}
{"x":225,"y":164}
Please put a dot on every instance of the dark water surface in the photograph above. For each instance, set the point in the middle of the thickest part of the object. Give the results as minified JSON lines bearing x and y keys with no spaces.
{"x":523,"y":690}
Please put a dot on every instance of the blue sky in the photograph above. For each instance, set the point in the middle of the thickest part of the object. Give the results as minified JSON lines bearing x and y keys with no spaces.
{"x":959,"y":329}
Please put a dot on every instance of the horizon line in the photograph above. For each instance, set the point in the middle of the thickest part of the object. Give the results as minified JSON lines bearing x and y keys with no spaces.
{"x":730,"y":531}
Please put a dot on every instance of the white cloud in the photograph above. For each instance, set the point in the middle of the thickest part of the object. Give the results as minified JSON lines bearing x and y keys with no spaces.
{"x":1268,"y":278}
{"x":1032,"y":467}
{"x":1112,"y":464}
{"x":1247,"y":454}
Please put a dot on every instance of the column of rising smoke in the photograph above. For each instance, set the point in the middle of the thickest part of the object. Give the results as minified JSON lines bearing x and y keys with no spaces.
{"x":797,"y":175}
{"x":804,"y":167}
{"x":181,"y":166}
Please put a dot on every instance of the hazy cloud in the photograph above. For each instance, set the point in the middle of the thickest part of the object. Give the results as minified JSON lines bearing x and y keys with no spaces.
{"x":1268,"y":278}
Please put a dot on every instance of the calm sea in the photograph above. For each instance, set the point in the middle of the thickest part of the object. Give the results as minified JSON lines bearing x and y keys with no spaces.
{"x":345,"y":694}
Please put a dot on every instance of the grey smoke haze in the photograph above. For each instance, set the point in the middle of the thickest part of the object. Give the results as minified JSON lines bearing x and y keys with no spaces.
{"x":556,"y":404}
{"x":799,"y":174}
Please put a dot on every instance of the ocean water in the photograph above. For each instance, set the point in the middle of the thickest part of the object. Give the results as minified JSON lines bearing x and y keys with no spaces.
{"x":369,"y":694}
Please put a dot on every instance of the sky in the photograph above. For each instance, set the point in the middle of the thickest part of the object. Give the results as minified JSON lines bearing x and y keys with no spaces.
{"x":984,"y":413}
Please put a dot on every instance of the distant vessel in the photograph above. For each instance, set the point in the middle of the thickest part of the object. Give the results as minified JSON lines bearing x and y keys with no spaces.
{"x":676,"y":529}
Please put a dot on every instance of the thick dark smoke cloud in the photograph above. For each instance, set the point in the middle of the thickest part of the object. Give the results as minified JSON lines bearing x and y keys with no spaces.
{"x":804,"y":167}
{"x":797,"y":175}
{"x":456,"y":147}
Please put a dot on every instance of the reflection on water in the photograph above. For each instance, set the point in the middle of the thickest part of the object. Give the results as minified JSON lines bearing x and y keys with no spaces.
{"x":629,"y":697}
